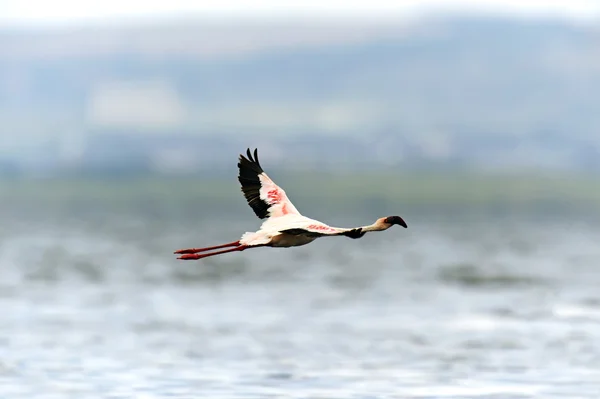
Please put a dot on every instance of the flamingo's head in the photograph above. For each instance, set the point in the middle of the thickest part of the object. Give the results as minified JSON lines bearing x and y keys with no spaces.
{"x":395,"y":220}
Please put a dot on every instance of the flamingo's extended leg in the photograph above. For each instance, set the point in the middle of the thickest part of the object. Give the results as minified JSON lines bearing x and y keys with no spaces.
{"x":196,"y":250}
{"x":194,"y":256}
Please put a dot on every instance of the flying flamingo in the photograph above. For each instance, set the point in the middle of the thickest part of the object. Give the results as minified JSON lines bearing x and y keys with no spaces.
{"x":285,"y":226}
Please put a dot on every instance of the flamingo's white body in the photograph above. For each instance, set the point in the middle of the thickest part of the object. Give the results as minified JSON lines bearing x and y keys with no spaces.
{"x":285,"y":226}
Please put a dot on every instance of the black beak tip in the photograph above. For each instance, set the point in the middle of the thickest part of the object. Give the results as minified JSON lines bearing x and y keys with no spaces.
{"x":396,"y":220}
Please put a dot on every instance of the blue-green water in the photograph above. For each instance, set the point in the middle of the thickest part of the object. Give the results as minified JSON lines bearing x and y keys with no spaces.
{"x":96,"y":306}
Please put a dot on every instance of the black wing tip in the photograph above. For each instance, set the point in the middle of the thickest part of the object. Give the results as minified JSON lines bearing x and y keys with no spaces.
{"x":249,"y":171}
{"x":250,"y":161}
{"x":250,"y":157}
{"x":354,"y":233}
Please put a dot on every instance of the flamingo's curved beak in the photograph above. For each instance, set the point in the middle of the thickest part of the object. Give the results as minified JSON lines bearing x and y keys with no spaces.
{"x":396,"y":220}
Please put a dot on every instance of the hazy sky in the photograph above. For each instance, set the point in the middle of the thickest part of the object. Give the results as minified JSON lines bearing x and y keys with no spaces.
{"x":19,"y":12}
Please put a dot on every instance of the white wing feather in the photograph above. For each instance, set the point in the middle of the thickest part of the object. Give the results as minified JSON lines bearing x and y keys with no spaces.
{"x":275,"y":196}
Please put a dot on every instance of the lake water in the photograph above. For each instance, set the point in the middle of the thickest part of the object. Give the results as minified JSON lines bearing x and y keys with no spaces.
{"x":98,"y":307}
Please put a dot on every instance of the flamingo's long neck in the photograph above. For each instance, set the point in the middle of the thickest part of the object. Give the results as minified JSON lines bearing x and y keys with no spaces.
{"x":379,"y":225}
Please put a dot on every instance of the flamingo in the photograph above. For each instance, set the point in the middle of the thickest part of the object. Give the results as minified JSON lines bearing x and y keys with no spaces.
{"x":284,"y":225}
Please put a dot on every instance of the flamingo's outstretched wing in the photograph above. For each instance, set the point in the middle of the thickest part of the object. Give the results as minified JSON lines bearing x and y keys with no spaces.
{"x":265,"y":197}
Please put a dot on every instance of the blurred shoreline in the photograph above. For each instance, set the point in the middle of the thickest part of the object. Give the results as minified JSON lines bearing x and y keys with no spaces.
{"x":357,"y":195}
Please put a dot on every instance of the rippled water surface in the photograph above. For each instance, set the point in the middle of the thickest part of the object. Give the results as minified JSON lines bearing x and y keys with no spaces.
{"x":100,"y":308}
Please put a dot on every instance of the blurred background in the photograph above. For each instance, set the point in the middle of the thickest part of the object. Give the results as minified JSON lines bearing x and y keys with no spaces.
{"x":476,"y":121}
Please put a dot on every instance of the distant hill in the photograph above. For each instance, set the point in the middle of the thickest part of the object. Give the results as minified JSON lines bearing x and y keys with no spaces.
{"x":484,"y":92}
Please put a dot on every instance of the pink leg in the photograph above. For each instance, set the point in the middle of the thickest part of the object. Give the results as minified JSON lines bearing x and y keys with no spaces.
{"x":196,"y":250}
{"x":193,"y":256}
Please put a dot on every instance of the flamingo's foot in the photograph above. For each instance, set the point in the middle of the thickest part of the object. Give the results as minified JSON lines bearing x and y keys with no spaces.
{"x":190,"y":256}
{"x":187,"y":251}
